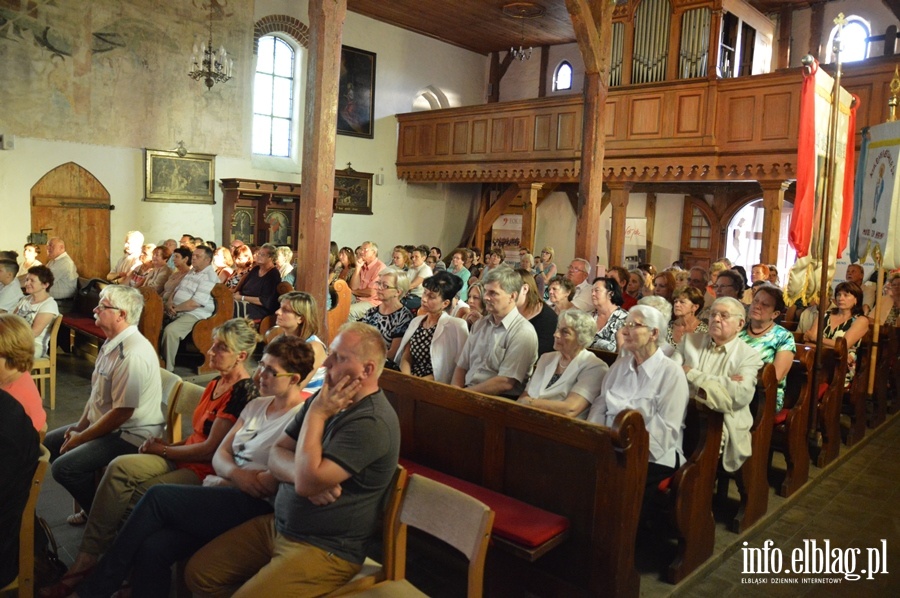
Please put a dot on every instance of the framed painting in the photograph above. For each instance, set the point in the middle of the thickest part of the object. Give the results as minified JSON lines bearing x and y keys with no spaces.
{"x":279,"y":224}
{"x":243,"y":223}
{"x":187,"y":178}
{"x":354,"y":192}
{"x":356,"y":95}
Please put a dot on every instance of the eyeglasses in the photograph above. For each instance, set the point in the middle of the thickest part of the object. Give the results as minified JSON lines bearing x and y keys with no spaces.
{"x":722,"y":286}
{"x":100,"y":307}
{"x":696,"y":281}
{"x":381,"y":285}
{"x":722,"y":315}
{"x":629,"y":324}
{"x":264,"y":370}
{"x":571,"y":269}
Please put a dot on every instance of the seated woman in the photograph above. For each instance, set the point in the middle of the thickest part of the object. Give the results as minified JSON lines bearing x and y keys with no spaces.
{"x":138,"y":276}
{"x":643,"y":378}
{"x":160,"y":273}
{"x":223,"y":262}
{"x":390,"y":317}
{"x":639,"y":284}
{"x":345,"y":267}
{"x":539,"y":314}
{"x":284,"y":256}
{"x":561,"y":290}
{"x":298,"y":316}
{"x":400,"y":258}
{"x":16,"y":359}
{"x":433,"y":341}
{"x":890,"y":306}
{"x":476,"y":304}
{"x":774,"y":343}
{"x":544,"y":272}
{"x":181,"y":258}
{"x":172,"y":522}
{"x":846,"y":320}
{"x":38,"y":308}
{"x":256,"y":295}
{"x":242,"y":262}
{"x":606,"y":296}
{"x":688,"y":303}
{"x":566,"y":380}
{"x":128,"y":477}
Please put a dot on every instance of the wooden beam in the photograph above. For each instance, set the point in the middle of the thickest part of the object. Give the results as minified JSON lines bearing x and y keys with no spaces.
{"x":530,"y":194}
{"x":785,"y":22}
{"x":500,"y":206}
{"x":542,"y":82}
{"x":816,"y":29}
{"x":619,"y":193}
{"x":650,"y":214}
{"x":497,"y":71}
{"x":773,"y":201}
{"x":326,"y":24}
{"x":588,"y":31}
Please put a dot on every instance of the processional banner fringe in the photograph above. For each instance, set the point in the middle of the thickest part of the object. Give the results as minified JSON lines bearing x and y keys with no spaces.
{"x":812,"y":153}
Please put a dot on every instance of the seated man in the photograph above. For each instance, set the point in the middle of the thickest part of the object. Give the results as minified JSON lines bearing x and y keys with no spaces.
{"x":578,"y":274}
{"x":726,"y":368}
{"x":134,"y":240}
{"x":502,"y":347}
{"x":335,"y":461}
{"x":190,"y":302}
{"x":124,"y":409}
{"x":65,"y":275}
{"x":10,"y":291}
{"x":362,"y":284}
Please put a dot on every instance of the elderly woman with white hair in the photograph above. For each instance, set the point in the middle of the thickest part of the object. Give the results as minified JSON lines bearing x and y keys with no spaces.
{"x":644,"y":379}
{"x":567,"y":379}
{"x":390,"y":317}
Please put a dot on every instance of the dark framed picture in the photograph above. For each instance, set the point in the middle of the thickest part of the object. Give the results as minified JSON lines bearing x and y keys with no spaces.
{"x":279,"y":224}
{"x":354,"y":192}
{"x":243,"y":223}
{"x":188,"y":178}
{"x":356,"y":95}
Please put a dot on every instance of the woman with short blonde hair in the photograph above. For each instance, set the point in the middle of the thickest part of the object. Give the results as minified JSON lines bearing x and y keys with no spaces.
{"x":16,"y":360}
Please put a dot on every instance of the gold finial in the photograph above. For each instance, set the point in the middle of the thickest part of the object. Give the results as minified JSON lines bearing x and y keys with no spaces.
{"x":895,"y":95}
{"x":840,"y":20}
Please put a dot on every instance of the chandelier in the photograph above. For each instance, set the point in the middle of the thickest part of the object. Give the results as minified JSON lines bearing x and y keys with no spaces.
{"x":522,"y":11}
{"x":208,"y":64}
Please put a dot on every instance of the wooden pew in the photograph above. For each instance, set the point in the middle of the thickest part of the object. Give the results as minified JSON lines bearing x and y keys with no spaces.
{"x":854,"y":398}
{"x":888,"y":349}
{"x":340,"y":310}
{"x":151,"y":317}
{"x":827,"y":440}
{"x":269,"y":321}
{"x":893,"y":375}
{"x":789,"y":435}
{"x":201,"y":334}
{"x":688,"y":495}
{"x":590,"y":474}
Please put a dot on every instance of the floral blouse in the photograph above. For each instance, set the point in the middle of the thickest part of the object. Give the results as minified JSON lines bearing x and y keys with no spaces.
{"x":775,"y":340}
{"x":605,"y":339}
{"x":840,"y":331}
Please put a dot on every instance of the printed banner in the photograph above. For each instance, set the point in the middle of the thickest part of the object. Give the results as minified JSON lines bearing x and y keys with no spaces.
{"x":506,"y":234}
{"x":806,"y":234}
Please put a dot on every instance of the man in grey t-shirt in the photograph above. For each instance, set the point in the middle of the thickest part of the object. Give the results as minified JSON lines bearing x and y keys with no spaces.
{"x":334,"y":463}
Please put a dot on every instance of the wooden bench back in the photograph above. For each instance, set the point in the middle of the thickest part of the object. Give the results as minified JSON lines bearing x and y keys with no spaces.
{"x":201,"y":335}
{"x":828,"y":408}
{"x":591,"y":474}
{"x":339,"y":312}
{"x":790,"y":436}
{"x":151,"y":316}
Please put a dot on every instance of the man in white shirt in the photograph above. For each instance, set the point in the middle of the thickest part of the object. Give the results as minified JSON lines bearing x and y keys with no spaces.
{"x":133,"y":241}
{"x":124,"y":409}
{"x":10,"y":291}
{"x":65,"y":275}
{"x":726,"y":368}
{"x":192,"y":301}
{"x":578,"y":273}
{"x":502,"y":348}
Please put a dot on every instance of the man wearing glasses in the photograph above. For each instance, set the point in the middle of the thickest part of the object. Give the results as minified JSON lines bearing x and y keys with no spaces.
{"x":725,"y":368}
{"x":362,"y":284}
{"x":192,"y":301}
{"x":578,"y":274}
{"x":124,"y":407}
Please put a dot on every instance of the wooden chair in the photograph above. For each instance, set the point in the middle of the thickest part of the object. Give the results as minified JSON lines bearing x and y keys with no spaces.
{"x":456,"y":518}
{"x":790,"y":432}
{"x":44,"y":369}
{"x":373,"y":572}
{"x":24,"y":582}
{"x":340,"y":310}
{"x":171,"y":384}
{"x":183,"y":404}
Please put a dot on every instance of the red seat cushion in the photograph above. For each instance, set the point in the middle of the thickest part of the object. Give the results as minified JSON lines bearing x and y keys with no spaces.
{"x":86,"y":325}
{"x":514,"y":520}
{"x":781,"y":416}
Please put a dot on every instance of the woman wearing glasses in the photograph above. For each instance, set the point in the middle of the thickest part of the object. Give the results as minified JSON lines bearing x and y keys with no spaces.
{"x":128,"y":477}
{"x":172,"y":522}
{"x":643,"y":378}
{"x":566,"y":380}
{"x":390,"y":317}
{"x":774,"y":343}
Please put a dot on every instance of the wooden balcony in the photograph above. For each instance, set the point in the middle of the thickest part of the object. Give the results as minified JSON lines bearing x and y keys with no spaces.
{"x":742,"y":129}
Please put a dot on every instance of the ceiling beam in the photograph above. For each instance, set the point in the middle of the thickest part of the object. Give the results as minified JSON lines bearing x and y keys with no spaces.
{"x":587,"y":34}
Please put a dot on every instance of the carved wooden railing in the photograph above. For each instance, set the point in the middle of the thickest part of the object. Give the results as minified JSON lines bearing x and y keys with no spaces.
{"x":691,"y":130}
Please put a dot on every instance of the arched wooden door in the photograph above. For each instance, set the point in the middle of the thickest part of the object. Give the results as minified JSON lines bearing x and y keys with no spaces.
{"x":701,"y":234}
{"x":70,"y":203}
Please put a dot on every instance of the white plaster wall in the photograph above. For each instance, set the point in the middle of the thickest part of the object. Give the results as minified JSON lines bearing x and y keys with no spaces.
{"x":875,"y":12}
{"x":569,"y":52}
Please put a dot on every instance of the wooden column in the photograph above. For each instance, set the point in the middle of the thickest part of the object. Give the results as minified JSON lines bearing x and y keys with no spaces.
{"x":592,"y":22}
{"x":326,"y":24}
{"x":545,"y":62}
{"x":650,"y":213}
{"x":785,"y":22}
{"x":497,"y":70}
{"x":715,"y":43}
{"x":816,"y":26}
{"x":529,"y":214}
{"x":773,"y":200}
{"x":619,"y":199}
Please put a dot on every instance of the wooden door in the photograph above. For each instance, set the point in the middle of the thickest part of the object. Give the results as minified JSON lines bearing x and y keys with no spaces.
{"x":70,"y":203}
{"x":700,"y":234}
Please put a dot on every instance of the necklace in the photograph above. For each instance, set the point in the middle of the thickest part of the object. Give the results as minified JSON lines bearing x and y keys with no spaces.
{"x":761,"y":332}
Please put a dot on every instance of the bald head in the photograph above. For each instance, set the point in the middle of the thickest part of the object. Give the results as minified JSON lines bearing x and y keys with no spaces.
{"x":55,"y":248}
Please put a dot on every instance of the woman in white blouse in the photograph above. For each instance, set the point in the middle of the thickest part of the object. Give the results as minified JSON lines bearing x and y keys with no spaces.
{"x":644,"y":379}
{"x":433,"y":341}
{"x":567,"y":379}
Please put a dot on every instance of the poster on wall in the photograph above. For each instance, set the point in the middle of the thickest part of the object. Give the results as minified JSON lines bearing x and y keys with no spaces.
{"x":506,"y":235}
{"x":635,"y":239}
{"x":356,"y":94}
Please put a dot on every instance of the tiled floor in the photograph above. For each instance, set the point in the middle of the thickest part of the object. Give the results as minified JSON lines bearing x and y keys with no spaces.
{"x":855,"y":503}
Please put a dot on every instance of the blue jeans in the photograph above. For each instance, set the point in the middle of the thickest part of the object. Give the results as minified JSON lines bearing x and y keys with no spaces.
{"x":169,"y":524}
{"x":76,"y":470}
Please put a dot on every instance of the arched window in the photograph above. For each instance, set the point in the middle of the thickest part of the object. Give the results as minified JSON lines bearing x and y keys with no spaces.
{"x":273,"y":98}
{"x":562,"y":78}
{"x":854,"y":47}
